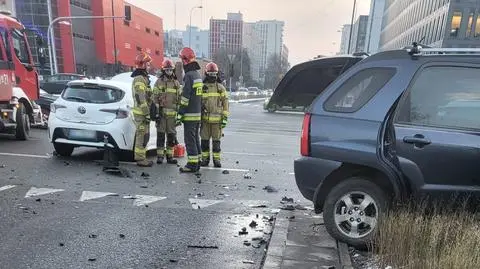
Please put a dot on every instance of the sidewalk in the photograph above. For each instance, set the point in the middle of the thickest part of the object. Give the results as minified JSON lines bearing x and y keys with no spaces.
{"x":300,"y":241}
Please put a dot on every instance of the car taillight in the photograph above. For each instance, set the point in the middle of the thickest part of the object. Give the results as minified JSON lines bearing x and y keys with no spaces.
{"x":305,"y":139}
{"x":121,"y":114}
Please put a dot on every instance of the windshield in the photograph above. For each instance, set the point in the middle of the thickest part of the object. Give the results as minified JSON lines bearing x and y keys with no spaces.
{"x":92,"y":94}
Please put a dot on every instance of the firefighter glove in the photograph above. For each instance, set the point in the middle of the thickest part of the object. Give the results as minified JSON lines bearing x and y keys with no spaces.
{"x":224,"y":122}
{"x":179,"y":119}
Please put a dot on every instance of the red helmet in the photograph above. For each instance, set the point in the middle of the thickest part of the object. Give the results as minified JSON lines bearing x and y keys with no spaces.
{"x":211,"y":67}
{"x":187,"y":55}
{"x":142,"y":59}
{"x":168,"y":64}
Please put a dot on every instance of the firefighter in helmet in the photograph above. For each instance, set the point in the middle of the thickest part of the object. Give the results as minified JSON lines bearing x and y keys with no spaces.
{"x":167,"y":98}
{"x":142,"y":94}
{"x":190,"y":109}
{"x":214,"y":114}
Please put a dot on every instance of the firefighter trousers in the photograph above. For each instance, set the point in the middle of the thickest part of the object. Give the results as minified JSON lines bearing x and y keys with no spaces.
{"x":142,"y":135}
{"x":191,"y":134}
{"x":211,"y":131}
{"x":166,"y":127}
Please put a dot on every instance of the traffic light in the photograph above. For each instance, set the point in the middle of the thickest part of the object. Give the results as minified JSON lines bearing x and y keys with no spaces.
{"x":128,"y":13}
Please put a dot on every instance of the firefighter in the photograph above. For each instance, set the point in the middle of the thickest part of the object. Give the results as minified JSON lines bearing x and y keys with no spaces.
{"x":214,"y":114}
{"x":141,"y":110}
{"x":167,"y":97}
{"x":190,"y":109}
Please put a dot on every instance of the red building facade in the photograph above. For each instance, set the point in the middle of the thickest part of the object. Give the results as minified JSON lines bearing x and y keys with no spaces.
{"x":143,"y":32}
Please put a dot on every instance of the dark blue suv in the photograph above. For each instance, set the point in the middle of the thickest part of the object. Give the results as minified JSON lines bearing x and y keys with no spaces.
{"x":397,"y":124}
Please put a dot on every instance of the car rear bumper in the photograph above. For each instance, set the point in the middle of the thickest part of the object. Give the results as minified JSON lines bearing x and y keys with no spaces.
{"x":311,"y":172}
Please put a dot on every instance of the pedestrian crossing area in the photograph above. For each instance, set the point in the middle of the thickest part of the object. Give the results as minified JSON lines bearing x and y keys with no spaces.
{"x":197,"y":202}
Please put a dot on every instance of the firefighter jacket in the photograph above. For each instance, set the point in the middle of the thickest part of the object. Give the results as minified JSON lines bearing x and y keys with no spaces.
{"x":191,"y":97}
{"x":214,"y":103}
{"x":166,"y":94}
{"x":141,"y":93}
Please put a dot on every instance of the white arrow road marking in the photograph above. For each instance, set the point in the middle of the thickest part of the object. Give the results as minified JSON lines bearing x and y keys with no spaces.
{"x":146,"y":199}
{"x":88,"y":195}
{"x":40,"y":191}
{"x":203,"y":203}
{"x":4,"y":188}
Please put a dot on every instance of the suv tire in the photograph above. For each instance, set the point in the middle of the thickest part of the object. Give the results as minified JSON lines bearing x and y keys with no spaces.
{"x":64,"y":150}
{"x":272,"y":109}
{"x":365,"y":218}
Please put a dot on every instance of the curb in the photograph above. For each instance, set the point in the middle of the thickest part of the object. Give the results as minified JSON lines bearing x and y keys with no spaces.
{"x":278,"y":241}
{"x":343,"y":253}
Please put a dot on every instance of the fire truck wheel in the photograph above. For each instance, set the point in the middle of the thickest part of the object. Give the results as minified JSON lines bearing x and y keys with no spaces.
{"x":22,"y":131}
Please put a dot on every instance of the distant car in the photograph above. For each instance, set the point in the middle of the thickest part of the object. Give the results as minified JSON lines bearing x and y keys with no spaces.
{"x":89,"y":110}
{"x":253,"y":91}
{"x":240,"y":92}
{"x":305,"y":81}
{"x":45,"y":100}
{"x":55,"y":84}
{"x":127,"y":77}
{"x":397,"y":126}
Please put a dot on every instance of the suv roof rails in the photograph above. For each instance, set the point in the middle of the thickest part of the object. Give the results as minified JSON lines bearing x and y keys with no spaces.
{"x":418,"y":50}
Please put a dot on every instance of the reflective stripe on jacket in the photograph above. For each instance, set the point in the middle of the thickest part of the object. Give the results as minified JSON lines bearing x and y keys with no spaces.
{"x":167,"y":96}
{"x":214,"y":103}
{"x":141,"y":96}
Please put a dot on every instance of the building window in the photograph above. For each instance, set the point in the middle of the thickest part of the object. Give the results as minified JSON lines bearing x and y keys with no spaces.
{"x":147,"y":30}
{"x":470,"y":25}
{"x":126,"y":23}
{"x":86,"y":37}
{"x":139,"y":48}
{"x":456,"y":20}
{"x":157,"y":33}
{"x":157,"y":52}
{"x":80,"y":5}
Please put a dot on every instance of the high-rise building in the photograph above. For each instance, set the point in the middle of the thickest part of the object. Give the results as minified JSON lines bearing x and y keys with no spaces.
{"x":359,"y":34}
{"x":226,"y":34}
{"x":87,"y":45}
{"x":374,"y":26}
{"x":437,"y":23}
{"x":173,"y":41}
{"x":345,"y":38}
{"x":284,"y":55}
{"x":252,"y":44}
{"x":271,"y":41}
{"x":8,"y":5}
{"x":200,"y":41}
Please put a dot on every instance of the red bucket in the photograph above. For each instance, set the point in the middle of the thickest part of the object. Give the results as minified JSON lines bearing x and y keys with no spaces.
{"x":179,"y":151}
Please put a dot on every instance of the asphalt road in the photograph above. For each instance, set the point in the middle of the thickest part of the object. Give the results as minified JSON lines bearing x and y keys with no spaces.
{"x":66,"y":213}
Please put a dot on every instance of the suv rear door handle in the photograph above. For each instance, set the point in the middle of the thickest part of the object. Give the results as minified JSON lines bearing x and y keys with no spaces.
{"x":417,"y":140}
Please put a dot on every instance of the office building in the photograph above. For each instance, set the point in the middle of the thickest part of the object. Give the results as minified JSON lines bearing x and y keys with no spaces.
{"x":345,"y":38}
{"x":359,"y":34}
{"x":226,"y":34}
{"x":200,"y":41}
{"x":374,"y":26}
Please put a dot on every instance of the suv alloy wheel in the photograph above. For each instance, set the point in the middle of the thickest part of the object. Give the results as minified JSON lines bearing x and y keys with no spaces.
{"x":352,"y":209}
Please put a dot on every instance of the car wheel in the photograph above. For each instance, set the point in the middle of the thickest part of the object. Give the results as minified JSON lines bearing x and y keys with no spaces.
{"x":351,"y":211}
{"x":22,"y":131}
{"x":64,"y":150}
{"x":272,"y":109}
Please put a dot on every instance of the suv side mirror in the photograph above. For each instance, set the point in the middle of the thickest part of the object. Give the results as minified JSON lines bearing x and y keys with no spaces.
{"x":128,"y":13}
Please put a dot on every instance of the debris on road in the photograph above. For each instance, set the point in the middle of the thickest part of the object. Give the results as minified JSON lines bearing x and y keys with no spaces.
{"x":290,"y":217}
{"x":38,"y":200}
{"x":225,"y":172}
{"x":122,"y":236}
{"x":253,"y":224}
{"x":246,"y":243}
{"x":92,"y":236}
{"x":92,"y":259}
{"x":3,"y":166}
{"x":288,"y":207}
{"x":258,"y":206}
{"x":248,"y":262}
{"x":66,"y":163}
{"x":300,"y":207}
{"x":256,"y":170}
{"x":247,"y":176}
{"x":144,"y":174}
{"x":197,"y":246}
{"x":269,"y":188}
{"x":237,"y":162}
{"x":61,"y":244}
{"x":243,"y":231}
{"x":143,"y":186}
{"x":173,"y":260}
{"x":286,"y":199}
{"x":199,"y":195}
{"x":122,"y":172}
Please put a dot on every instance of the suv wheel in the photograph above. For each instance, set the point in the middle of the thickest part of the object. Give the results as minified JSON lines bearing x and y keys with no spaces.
{"x":272,"y":108}
{"x":351,"y":211}
{"x":64,"y":150}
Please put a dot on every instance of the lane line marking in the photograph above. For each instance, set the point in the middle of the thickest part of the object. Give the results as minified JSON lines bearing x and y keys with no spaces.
{"x":202,"y":203}
{"x":89,"y":195}
{"x":146,"y":199}
{"x":267,"y":144}
{"x":229,"y":169}
{"x":291,"y":173}
{"x":7,"y":187}
{"x":40,"y":191}
{"x":245,"y":153}
{"x":25,"y":155}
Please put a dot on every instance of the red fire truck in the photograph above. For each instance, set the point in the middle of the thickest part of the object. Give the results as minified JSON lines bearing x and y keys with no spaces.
{"x":19,"y":85}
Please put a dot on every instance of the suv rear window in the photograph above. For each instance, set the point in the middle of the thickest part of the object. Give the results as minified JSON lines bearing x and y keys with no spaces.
{"x":92,"y":94}
{"x":358,"y":89}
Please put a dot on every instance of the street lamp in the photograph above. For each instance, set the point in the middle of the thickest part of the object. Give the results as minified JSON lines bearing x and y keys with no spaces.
{"x":190,"y":26}
{"x":51,"y":44}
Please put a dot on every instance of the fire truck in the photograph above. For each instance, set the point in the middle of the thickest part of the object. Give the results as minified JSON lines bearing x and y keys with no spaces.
{"x":19,"y":84}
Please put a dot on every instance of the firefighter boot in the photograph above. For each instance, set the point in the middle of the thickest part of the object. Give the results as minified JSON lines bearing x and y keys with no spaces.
{"x":145,"y":163}
{"x":217,"y":163}
{"x":171,"y":160}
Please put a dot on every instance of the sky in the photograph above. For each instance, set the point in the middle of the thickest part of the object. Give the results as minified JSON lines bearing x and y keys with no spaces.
{"x":311,"y":26}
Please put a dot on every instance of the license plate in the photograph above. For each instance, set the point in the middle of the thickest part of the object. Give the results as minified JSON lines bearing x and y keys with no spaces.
{"x":82,"y":134}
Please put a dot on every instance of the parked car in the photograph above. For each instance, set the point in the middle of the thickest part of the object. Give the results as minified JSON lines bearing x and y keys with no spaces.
{"x":305,"y":81}
{"x":253,"y":91}
{"x":241,"y":92}
{"x":392,"y":127}
{"x":55,"y":84}
{"x":89,"y":110}
{"x":45,"y":101}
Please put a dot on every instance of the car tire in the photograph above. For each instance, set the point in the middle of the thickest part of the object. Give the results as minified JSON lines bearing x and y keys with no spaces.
{"x":365,"y":218}
{"x":22,"y":130}
{"x":272,"y":109}
{"x":64,"y":150}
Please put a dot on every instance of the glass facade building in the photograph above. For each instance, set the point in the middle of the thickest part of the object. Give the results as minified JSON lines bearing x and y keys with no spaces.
{"x":437,"y":23}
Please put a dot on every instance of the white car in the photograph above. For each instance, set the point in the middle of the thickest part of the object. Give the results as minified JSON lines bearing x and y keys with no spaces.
{"x":90,"y":110}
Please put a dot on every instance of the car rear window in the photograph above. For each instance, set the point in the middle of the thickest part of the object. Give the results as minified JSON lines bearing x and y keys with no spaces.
{"x":354,"y":93}
{"x":92,"y":94}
